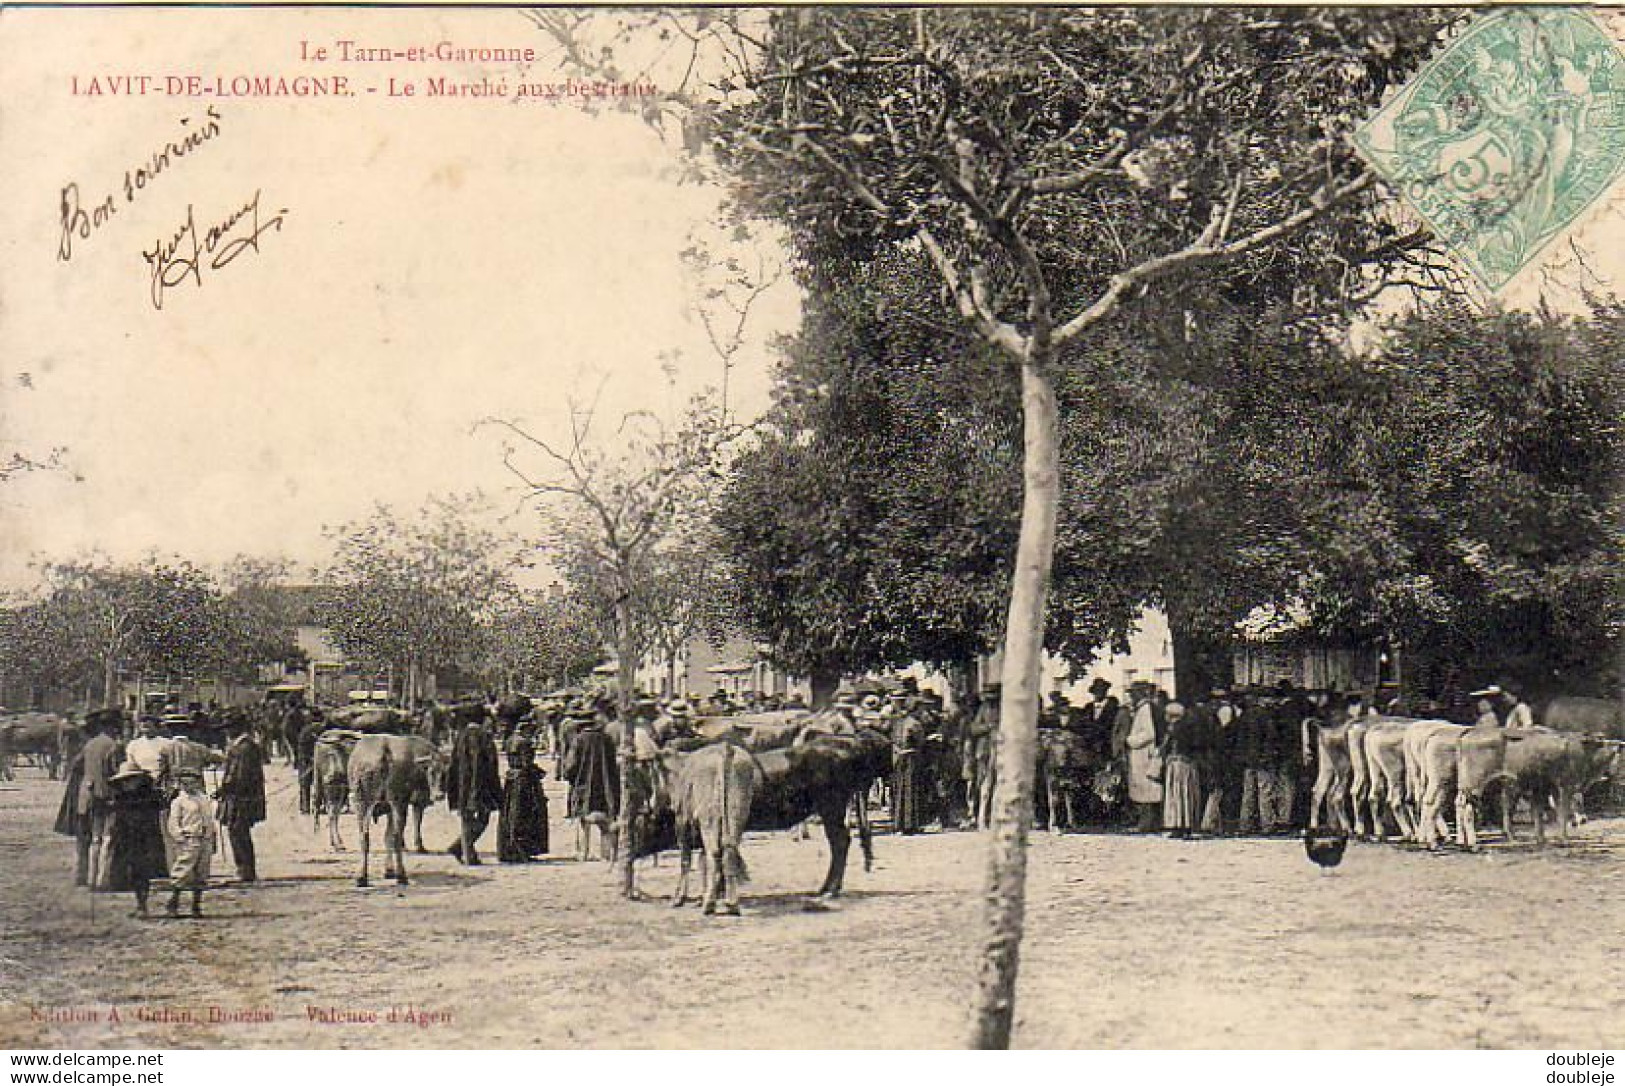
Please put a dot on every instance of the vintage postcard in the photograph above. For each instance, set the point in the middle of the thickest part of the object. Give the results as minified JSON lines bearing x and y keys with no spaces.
{"x":812,"y":527}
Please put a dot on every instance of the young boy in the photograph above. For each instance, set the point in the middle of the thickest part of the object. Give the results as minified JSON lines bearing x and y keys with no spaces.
{"x":191,"y":828}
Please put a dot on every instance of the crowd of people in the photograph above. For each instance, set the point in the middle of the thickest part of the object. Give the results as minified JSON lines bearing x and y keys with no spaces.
{"x":139,"y":811}
{"x":1229,"y":762}
{"x":138,"y":805}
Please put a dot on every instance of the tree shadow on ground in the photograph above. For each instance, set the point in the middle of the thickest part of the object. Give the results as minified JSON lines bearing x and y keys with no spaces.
{"x":787,"y":904}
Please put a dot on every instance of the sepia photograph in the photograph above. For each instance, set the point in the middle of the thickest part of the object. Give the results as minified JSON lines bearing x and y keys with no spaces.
{"x":812,"y":527}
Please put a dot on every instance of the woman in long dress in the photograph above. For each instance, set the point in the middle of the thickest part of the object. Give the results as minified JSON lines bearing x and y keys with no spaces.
{"x":193,"y":835}
{"x":135,"y":835}
{"x":1182,"y":802}
{"x":522,"y":828}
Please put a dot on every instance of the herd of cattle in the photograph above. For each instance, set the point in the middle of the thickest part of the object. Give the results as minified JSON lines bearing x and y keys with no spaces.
{"x":46,"y":739}
{"x":704,"y":791}
{"x":698,"y":793}
{"x":1376,"y":770}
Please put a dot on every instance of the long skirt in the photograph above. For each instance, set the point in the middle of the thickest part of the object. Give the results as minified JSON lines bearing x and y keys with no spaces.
{"x":1182,"y":804}
{"x":67,"y":812}
{"x":905,"y":793}
{"x":135,"y":848}
{"x":189,"y":866}
{"x":522,"y":829}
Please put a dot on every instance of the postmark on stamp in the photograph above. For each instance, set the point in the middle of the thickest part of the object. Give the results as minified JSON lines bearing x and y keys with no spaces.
{"x":1508,"y":137}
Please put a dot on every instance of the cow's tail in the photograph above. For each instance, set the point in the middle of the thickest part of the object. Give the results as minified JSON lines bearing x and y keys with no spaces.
{"x":726,"y":839}
{"x":386,"y":767}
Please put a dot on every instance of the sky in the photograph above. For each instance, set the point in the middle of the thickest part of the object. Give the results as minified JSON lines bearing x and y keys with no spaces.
{"x":440,"y":261}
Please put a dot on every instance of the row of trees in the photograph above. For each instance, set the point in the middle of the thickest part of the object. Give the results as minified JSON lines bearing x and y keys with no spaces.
{"x":405,"y":596}
{"x":95,"y":620}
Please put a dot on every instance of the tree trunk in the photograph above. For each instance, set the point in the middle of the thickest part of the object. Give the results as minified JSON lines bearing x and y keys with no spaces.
{"x":824,"y":682}
{"x":626,"y":666}
{"x":1005,"y":888}
{"x":109,"y":681}
{"x":1198,"y":660}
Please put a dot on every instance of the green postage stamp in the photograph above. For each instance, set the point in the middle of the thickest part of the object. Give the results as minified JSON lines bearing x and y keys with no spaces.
{"x":1507,"y":137}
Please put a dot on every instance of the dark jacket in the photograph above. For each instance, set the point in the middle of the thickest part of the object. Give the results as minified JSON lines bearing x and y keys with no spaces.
{"x":135,"y":845}
{"x":595,"y":779}
{"x":102,"y":757}
{"x":1255,"y":734}
{"x":473,"y":777}
{"x":242,"y":784}
{"x":68,"y":819}
{"x":1192,"y":735}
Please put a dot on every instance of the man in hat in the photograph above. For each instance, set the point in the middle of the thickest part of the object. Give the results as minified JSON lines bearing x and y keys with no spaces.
{"x":242,"y":793}
{"x":595,"y":783}
{"x":1221,"y":777}
{"x":676,"y":721}
{"x":1261,"y":735}
{"x":979,"y":767}
{"x":1056,"y":712}
{"x":473,"y":783}
{"x":1143,"y":748}
{"x":1515,"y":712}
{"x":305,"y":757}
{"x":899,"y":720}
{"x":103,"y":754}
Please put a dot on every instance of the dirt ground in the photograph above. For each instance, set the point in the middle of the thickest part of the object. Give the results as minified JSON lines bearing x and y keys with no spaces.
{"x":1132,"y":942}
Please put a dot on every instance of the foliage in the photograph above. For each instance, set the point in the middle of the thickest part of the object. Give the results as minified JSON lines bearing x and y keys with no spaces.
{"x":869,"y":524}
{"x":1478,"y":511}
{"x":546,"y":637}
{"x":258,"y":618}
{"x":414,"y":593}
{"x":97,"y":619}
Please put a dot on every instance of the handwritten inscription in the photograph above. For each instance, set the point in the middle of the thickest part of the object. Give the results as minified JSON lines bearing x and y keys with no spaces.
{"x":189,"y":254}
{"x":80,"y":221}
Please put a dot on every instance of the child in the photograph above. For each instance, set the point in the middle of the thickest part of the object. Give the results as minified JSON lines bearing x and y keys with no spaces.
{"x":135,"y":835}
{"x":191,"y":828}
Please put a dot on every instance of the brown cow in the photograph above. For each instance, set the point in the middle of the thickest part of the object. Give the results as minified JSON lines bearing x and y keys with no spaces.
{"x":1553,"y":768}
{"x":820,"y":776}
{"x":45,"y":737}
{"x":710,"y":792}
